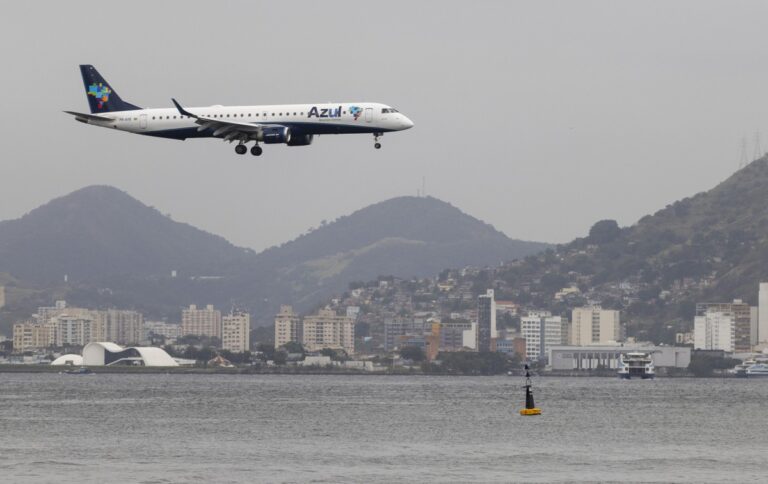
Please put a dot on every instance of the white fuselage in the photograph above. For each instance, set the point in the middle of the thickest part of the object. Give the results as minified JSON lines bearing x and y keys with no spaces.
{"x":330,"y":118}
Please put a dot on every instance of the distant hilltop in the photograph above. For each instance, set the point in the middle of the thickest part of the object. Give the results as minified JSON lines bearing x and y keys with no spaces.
{"x":115,"y":250}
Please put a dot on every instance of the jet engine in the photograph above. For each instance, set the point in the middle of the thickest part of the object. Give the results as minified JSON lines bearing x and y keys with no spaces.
{"x":301,"y":140}
{"x":274,"y":135}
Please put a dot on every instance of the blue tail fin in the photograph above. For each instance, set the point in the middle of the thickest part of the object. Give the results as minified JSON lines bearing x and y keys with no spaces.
{"x":101,"y":97}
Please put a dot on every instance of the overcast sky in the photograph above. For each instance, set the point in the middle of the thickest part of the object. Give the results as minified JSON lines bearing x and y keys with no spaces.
{"x":537,"y":117}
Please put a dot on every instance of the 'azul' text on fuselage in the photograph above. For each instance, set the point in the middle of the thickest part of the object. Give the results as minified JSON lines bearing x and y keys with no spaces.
{"x":324,"y":112}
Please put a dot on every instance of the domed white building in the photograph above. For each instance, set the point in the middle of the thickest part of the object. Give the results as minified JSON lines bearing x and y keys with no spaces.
{"x":71,"y":360}
{"x":108,"y":354}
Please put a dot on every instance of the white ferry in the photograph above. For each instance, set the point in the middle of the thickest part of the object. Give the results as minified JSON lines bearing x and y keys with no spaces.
{"x":757,"y":370}
{"x":636,"y":365}
{"x":752,"y":367}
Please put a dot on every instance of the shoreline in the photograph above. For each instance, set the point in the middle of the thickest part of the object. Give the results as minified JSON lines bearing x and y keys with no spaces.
{"x":306,"y":371}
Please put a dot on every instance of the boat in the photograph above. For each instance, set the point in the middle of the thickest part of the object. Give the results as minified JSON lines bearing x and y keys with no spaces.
{"x":740,"y":370}
{"x":757,"y":370}
{"x":80,"y":371}
{"x":754,"y":367}
{"x":636,"y":365}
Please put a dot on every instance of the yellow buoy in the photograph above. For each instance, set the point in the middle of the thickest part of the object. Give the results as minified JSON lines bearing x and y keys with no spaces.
{"x":530,"y":411}
{"x":530,"y":407}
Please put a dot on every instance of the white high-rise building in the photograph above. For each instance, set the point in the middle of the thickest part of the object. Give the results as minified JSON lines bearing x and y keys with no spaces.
{"x":328,"y":330}
{"x":235,"y":332}
{"x":541,"y":331}
{"x":594,"y":325}
{"x":486,"y":321}
{"x":762,"y":313}
{"x":714,"y":330}
{"x":122,"y":326}
{"x":288,"y":327}
{"x":201,"y":322}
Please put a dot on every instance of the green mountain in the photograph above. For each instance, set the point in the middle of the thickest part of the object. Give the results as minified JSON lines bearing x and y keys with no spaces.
{"x":116,"y":251}
{"x":712,"y":246}
{"x":100,"y":231}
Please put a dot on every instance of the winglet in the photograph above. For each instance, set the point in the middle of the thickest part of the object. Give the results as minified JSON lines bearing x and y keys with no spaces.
{"x":182,"y":111}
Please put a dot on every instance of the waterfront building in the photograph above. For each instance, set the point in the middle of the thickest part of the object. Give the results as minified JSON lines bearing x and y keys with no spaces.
{"x":540,"y":330}
{"x":326,"y":329}
{"x":486,"y":321}
{"x":741,"y":314}
{"x":458,"y":335}
{"x":594,"y":357}
{"x":31,"y":335}
{"x":396,"y":329}
{"x":594,"y":325}
{"x":511,"y":346}
{"x":123,"y":327}
{"x":201,"y":322}
{"x":288,"y":327}
{"x":76,"y":330}
{"x":102,"y":353}
{"x":235,"y":332}
{"x":715,"y":330}
{"x":754,"y":321}
{"x":762,"y":313}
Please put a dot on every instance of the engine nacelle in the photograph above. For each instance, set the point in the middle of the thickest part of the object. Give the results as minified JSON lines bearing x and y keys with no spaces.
{"x":301,"y":140}
{"x":274,"y":135}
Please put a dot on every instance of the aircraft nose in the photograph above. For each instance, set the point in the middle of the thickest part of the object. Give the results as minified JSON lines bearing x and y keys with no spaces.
{"x":407,"y":123}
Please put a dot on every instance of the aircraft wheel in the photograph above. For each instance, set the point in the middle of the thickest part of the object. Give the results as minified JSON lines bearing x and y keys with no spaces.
{"x":241,"y":149}
{"x":256,"y":150}
{"x":377,"y":146}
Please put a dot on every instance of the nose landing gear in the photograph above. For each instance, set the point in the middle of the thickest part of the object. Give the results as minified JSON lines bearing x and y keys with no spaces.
{"x":376,"y":143}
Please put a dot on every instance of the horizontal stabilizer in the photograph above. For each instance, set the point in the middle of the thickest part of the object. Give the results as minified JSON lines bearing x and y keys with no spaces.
{"x":90,"y":117}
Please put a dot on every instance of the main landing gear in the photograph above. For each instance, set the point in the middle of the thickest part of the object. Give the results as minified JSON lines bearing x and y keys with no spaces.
{"x":376,"y":143}
{"x":241,"y":149}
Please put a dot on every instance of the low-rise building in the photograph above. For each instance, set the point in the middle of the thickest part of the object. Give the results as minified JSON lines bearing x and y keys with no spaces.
{"x":606,"y":357}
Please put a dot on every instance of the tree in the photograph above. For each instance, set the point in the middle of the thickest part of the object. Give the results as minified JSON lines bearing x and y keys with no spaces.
{"x":603,"y":232}
{"x":413,"y":353}
{"x":294,"y":347}
{"x":334,"y":354}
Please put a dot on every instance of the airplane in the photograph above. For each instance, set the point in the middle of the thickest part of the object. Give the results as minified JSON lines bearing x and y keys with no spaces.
{"x":289,"y":124}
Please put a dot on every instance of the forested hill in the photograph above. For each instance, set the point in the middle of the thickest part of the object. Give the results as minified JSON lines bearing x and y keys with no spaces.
{"x":116,"y":251}
{"x":711,"y":246}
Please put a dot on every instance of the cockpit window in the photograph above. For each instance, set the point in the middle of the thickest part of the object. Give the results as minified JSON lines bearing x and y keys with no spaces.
{"x":388,"y":110}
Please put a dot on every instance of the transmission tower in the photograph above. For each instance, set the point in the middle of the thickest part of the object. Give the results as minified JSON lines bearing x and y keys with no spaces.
{"x":758,"y":152}
{"x":743,"y":158}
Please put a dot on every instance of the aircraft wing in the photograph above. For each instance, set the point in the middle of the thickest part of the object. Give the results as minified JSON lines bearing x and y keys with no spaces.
{"x":229,"y":130}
